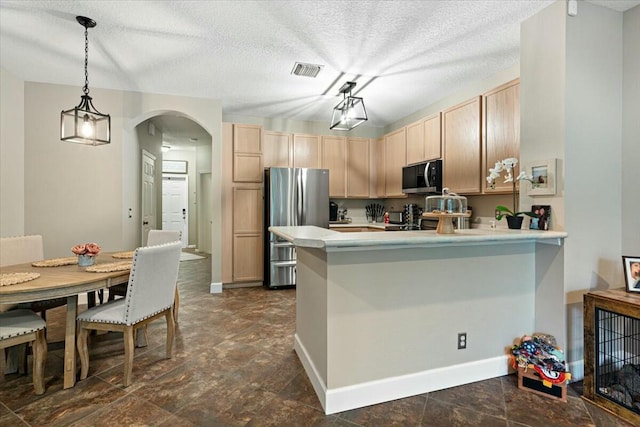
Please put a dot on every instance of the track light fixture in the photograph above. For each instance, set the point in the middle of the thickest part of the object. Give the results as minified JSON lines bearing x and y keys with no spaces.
{"x":350,"y":112}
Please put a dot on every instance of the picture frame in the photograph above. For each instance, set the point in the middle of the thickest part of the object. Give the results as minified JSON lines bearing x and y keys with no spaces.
{"x":544,"y":175}
{"x":543,"y":222}
{"x":174,"y":166}
{"x":631,"y":270}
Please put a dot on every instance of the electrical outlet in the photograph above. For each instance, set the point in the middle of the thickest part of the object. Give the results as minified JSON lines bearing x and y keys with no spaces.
{"x":462,"y":340}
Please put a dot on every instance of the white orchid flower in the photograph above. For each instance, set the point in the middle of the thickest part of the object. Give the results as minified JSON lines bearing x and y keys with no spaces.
{"x":510,"y":163}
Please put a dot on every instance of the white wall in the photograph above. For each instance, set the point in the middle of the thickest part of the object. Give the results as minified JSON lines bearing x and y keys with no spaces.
{"x":11,"y":155}
{"x":631,"y":133}
{"x":571,"y":109}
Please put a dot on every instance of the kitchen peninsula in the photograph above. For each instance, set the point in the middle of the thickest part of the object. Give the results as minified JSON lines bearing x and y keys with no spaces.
{"x":378,"y":314}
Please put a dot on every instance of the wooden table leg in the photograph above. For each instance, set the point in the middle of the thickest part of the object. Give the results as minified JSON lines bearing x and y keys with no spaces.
{"x":70,"y":342}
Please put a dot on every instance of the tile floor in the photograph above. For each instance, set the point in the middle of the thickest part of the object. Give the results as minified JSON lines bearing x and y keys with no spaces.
{"x":234,"y":366}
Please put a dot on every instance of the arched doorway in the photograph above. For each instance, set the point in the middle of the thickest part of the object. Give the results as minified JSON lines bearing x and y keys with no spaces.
{"x":182,"y":149}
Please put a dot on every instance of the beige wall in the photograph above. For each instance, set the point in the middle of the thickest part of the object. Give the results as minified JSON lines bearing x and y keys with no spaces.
{"x":11,"y":155}
{"x":75,"y":193}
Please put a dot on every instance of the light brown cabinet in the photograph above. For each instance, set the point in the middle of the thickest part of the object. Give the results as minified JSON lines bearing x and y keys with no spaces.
{"x":247,"y":233}
{"x":379,"y":170}
{"x":423,"y":140}
{"x":500,"y":131}
{"x":276,"y":149}
{"x":306,"y":151}
{"x":334,"y":158}
{"x":432,"y":137}
{"x":247,"y":153}
{"x":462,"y":140}
{"x":415,"y":142}
{"x":395,"y":158}
{"x":358,"y":160}
{"x":241,"y":211}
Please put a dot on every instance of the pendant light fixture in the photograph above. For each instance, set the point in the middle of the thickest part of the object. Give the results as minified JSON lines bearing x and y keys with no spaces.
{"x":84,"y":124}
{"x":350,"y":112}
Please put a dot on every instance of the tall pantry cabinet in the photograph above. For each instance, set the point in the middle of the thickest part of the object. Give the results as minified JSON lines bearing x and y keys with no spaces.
{"x":242,"y":199}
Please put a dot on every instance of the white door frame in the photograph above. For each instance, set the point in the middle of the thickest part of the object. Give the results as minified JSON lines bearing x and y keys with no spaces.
{"x":184,"y":228}
{"x":148,"y":195}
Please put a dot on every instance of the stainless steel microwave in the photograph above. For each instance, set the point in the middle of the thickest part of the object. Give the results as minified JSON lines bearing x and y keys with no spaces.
{"x":422,"y":178}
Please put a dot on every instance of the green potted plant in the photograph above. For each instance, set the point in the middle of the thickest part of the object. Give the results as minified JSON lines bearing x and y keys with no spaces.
{"x":514,"y":218}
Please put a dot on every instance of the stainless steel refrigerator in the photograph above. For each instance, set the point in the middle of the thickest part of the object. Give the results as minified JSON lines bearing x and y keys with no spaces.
{"x":292,"y":196}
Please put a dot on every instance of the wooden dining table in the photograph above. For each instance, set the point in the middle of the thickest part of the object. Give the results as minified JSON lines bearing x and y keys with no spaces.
{"x":64,"y":281}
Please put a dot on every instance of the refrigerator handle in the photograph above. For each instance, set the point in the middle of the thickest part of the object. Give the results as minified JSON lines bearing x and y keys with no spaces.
{"x":300,"y":198}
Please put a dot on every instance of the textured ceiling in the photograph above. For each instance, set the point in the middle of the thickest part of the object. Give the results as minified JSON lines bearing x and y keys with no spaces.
{"x":404,"y":55}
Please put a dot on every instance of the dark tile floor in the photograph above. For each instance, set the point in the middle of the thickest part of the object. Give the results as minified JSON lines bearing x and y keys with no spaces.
{"x":234,"y":366}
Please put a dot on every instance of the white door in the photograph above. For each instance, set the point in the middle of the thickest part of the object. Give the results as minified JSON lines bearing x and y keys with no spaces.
{"x":148,"y":194}
{"x":175,"y":203}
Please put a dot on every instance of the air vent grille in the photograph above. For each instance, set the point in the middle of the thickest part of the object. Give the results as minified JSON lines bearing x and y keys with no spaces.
{"x":306,"y":70}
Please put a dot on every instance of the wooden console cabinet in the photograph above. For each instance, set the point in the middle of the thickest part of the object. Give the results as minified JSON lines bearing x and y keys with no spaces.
{"x":611,"y":349}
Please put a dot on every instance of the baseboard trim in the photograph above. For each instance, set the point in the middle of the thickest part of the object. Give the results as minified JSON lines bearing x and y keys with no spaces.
{"x":373,"y":392}
{"x":215,"y":288}
{"x":577,"y":370}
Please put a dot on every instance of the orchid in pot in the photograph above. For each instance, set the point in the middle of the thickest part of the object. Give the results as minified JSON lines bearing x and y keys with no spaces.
{"x":514,"y":218}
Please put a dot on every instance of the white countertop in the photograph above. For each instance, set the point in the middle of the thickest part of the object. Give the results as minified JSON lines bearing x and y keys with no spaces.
{"x":316,"y":237}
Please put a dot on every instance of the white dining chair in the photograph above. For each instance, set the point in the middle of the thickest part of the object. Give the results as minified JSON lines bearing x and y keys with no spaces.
{"x":21,"y":250}
{"x":25,"y":327}
{"x":155,"y":237}
{"x":150,"y":295}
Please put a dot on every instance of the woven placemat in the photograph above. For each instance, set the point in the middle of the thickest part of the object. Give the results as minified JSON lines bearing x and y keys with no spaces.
{"x":7,"y":279}
{"x":56,"y":262}
{"x":123,"y":255}
{"x":110,"y":267}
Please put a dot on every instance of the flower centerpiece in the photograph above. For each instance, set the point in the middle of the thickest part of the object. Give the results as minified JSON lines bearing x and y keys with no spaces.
{"x":514,"y":218}
{"x":86,"y":253}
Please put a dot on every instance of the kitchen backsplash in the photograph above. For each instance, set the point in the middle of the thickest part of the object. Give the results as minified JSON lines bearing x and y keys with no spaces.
{"x":483,"y":208}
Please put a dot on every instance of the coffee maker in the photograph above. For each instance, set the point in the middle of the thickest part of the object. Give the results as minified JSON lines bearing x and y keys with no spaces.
{"x":333,"y":211}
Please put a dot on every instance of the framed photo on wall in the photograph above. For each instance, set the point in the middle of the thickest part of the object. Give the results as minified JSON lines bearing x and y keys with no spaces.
{"x":632,"y":273}
{"x":542,"y":222}
{"x":544,"y":177}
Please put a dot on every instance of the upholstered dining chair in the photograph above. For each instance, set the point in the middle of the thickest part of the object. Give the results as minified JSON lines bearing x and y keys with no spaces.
{"x":25,"y":327}
{"x":150,"y":295}
{"x":21,"y":250}
{"x":155,"y":237}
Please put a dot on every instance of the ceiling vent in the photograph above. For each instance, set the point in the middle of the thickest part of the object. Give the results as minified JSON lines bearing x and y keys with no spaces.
{"x":306,"y":70}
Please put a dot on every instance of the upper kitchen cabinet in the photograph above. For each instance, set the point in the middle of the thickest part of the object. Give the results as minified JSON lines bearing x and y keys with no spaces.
{"x":306,"y":151}
{"x":358,"y":162}
{"x":276,"y":149}
{"x":395,"y":155}
{"x":378,"y":168}
{"x":247,"y":153}
{"x":500,"y":130}
{"x":423,"y":140}
{"x":334,"y":156}
{"x":462,"y":141}
{"x":433,"y":137}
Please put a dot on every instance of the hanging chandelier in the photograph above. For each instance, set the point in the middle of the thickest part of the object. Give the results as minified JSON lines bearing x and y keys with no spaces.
{"x":350,"y":112}
{"x":84,"y":124}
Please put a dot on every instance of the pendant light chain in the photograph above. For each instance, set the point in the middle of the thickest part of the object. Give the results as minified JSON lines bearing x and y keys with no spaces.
{"x":85,"y":89}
